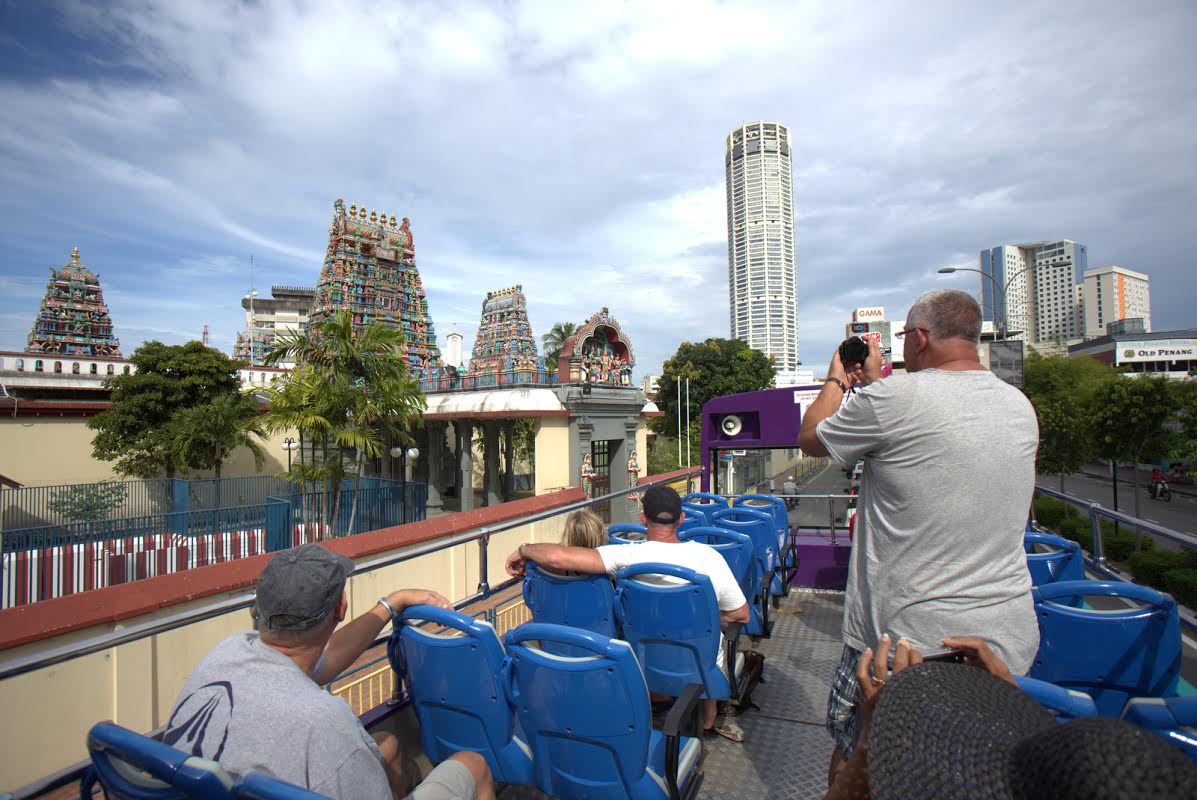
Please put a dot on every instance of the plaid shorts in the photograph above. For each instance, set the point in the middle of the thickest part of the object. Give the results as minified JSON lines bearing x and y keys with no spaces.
{"x":843,"y":722}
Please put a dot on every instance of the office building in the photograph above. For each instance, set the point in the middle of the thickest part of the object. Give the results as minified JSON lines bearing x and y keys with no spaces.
{"x":761,"y":276}
{"x":1110,"y":294}
{"x":1172,"y":354}
{"x":285,"y":311}
{"x":1037,"y":298}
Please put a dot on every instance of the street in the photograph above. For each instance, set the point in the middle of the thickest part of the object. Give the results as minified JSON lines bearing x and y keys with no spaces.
{"x":1179,"y":515}
{"x":813,"y":513}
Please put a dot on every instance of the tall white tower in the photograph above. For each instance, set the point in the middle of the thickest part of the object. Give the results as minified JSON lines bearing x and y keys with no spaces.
{"x":761,"y":277}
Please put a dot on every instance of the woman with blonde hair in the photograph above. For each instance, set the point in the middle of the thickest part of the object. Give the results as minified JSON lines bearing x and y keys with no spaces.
{"x":584,"y":528}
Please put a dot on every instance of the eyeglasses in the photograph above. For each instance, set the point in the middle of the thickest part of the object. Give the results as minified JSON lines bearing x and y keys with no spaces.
{"x":902,"y":333}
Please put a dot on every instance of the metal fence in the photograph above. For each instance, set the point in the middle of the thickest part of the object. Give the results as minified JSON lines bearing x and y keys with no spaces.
{"x":507,"y":379}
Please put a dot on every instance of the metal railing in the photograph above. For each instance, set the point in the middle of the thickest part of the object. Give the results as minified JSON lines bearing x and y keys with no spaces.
{"x":506,"y":379}
{"x":1096,"y":558}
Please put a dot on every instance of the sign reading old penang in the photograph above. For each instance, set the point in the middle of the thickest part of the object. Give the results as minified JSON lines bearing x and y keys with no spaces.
{"x":1129,"y":352}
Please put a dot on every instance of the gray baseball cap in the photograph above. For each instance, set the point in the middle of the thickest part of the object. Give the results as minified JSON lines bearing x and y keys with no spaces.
{"x":300,"y":587}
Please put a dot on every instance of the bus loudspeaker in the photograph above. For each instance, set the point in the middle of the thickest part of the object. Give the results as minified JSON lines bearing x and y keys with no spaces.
{"x":731,"y":425}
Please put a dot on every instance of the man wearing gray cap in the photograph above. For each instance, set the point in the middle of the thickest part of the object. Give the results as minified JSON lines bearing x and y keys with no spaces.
{"x":255,"y":702}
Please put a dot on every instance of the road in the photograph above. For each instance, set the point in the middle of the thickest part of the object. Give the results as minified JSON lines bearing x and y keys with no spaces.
{"x":1179,"y":515}
{"x":813,"y":513}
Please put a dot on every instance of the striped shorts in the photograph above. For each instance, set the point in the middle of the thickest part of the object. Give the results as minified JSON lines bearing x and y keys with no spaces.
{"x":843,"y":721}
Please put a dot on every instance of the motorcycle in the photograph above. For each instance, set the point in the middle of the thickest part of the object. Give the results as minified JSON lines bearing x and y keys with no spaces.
{"x":1160,"y":491}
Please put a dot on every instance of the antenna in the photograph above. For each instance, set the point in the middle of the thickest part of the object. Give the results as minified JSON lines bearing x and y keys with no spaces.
{"x":253,"y":322}
{"x":205,"y":335}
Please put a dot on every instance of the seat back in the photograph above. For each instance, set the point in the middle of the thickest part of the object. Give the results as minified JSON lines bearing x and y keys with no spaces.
{"x":626,"y":533}
{"x":1111,"y":655}
{"x":577,"y":601}
{"x":767,"y":503}
{"x":691,"y":521}
{"x":129,"y":765}
{"x":454,"y":681}
{"x":759,"y":527}
{"x":706,"y":499}
{"x":737,"y":550}
{"x":256,"y":786}
{"x":1173,"y":718}
{"x":1063,"y":562}
{"x":587,"y":719}
{"x":670,"y":616}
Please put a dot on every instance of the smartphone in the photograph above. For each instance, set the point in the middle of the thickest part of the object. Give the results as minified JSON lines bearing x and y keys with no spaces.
{"x":941,"y":654}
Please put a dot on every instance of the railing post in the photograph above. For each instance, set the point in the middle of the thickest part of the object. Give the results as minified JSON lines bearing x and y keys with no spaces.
{"x":483,"y":572}
{"x":1099,"y":552}
{"x":831,"y":517}
{"x":278,"y":524}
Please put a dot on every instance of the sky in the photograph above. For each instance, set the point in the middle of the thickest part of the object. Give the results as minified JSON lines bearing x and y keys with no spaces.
{"x":577,"y":149}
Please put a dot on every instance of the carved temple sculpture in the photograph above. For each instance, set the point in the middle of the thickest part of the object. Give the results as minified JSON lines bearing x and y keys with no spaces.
{"x":587,"y":474}
{"x":370,"y":269}
{"x":598,"y":353}
{"x":73,"y":319}
{"x":504,"y":347}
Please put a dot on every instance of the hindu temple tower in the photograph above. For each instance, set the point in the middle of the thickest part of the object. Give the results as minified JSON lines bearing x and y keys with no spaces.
{"x":73,"y":318}
{"x":370,"y":270}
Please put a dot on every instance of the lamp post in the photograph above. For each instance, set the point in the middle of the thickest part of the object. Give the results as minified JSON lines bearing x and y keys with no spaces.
{"x":289,"y":444}
{"x":998,"y":290}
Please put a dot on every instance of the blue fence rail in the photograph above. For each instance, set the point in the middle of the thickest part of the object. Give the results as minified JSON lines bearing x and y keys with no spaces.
{"x":451,"y":381}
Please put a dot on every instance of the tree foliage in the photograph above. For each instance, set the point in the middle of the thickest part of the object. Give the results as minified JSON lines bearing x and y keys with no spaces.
{"x":554,"y":341}
{"x":1064,"y":392}
{"x":88,"y":502}
{"x":715,"y":368}
{"x":350,"y":397}
{"x":1185,"y":442}
{"x":135,"y":433}
{"x":1130,"y":419}
{"x":202,"y":437}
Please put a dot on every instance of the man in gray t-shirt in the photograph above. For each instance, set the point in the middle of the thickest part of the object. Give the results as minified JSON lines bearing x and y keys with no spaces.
{"x":949,"y":470}
{"x":254,"y":702}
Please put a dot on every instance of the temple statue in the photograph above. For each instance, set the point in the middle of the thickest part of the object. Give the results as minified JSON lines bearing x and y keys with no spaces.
{"x":587,"y":474}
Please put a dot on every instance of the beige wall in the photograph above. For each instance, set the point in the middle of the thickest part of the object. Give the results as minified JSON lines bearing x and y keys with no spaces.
{"x":552,"y":455}
{"x":39,"y":451}
{"x":136,"y":684}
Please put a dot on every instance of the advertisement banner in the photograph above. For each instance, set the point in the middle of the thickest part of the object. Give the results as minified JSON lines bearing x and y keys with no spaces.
{"x":1129,"y":352}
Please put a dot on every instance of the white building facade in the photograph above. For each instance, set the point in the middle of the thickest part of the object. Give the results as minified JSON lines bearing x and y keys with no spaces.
{"x":761,"y":273}
{"x":1109,"y":294}
{"x":1036,"y":295}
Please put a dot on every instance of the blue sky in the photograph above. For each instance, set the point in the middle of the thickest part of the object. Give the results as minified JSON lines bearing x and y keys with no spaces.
{"x":577,"y":149}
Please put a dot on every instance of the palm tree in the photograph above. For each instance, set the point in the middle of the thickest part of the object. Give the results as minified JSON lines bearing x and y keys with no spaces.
{"x":351,"y":392}
{"x":201,"y":437}
{"x":554,"y":341}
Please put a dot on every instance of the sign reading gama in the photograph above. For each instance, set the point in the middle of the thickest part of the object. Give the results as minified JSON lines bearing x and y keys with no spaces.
{"x":1160,"y":350}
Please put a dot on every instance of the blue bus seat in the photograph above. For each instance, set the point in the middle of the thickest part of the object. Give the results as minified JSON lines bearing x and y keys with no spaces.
{"x":130,"y":765}
{"x":705,"y":499}
{"x":454,"y":682}
{"x":589,"y":720}
{"x":738,"y":552}
{"x":1063,"y":562}
{"x":256,"y":786}
{"x":691,"y":521}
{"x":1112,"y":655}
{"x":626,"y":533}
{"x":1065,"y":703}
{"x":577,"y":601}
{"x":760,"y":528}
{"x":775,"y":507}
{"x":1173,"y":718}
{"x":674,"y":630}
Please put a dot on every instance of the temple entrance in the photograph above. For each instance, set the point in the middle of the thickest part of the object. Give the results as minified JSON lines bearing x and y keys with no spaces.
{"x":602,"y":453}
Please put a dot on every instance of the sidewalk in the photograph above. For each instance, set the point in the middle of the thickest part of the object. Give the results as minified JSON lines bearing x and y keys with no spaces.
{"x":1181,"y":486}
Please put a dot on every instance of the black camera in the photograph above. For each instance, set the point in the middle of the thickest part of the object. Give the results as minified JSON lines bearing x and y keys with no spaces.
{"x":853,"y":350}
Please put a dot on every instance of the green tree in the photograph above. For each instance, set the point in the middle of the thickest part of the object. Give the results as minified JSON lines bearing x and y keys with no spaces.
{"x":554,"y":341}
{"x":202,"y":437}
{"x":88,"y":502}
{"x":1063,"y":391}
{"x":135,"y":432}
{"x":1130,"y":422}
{"x":351,"y":395}
{"x":1185,"y":446}
{"x":715,"y":367}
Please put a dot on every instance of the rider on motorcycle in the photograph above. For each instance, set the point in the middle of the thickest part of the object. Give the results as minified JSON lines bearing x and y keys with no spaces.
{"x":1158,"y":481}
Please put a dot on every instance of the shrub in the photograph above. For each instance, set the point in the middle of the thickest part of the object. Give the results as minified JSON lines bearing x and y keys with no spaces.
{"x":1049,"y":512}
{"x":1077,"y":529}
{"x":1182,"y":584}
{"x":1150,"y":566}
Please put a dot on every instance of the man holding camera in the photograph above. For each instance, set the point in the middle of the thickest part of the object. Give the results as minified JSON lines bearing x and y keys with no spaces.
{"x":949,"y":470}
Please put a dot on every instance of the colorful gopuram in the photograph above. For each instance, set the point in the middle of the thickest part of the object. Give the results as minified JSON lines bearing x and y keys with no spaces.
{"x":370,"y":269}
{"x":504,"y":347}
{"x":599,"y":352}
{"x":73,"y":319}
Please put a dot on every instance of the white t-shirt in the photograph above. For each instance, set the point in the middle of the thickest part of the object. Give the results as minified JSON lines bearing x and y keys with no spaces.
{"x":949,"y":469}
{"x":691,"y":555}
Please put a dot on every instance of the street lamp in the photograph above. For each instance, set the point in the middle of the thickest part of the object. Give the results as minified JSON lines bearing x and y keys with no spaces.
{"x":409,"y":455}
{"x":998,"y":290}
{"x":289,"y":444}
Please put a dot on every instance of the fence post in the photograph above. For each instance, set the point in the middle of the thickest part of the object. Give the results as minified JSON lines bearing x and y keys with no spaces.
{"x":483,"y":573}
{"x":278,"y":524}
{"x":1099,"y":556}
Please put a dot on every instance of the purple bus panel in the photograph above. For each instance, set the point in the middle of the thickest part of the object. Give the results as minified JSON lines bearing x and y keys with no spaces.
{"x":768,"y":418}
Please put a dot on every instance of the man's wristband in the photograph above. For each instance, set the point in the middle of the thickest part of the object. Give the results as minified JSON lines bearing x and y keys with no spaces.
{"x":385,"y":603}
{"x":838,"y":383}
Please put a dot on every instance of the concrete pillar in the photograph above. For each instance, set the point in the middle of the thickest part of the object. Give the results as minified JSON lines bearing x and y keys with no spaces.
{"x":490,"y":479}
{"x":436,"y":456}
{"x":508,"y":460}
{"x":465,"y":463}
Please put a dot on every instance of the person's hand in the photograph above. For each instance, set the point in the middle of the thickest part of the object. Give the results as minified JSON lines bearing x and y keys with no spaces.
{"x":977,"y":654}
{"x":836,"y":370}
{"x":870,"y":371}
{"x":416,"y":597}
{"x":515,"y":564}
{"x":872,"y":671}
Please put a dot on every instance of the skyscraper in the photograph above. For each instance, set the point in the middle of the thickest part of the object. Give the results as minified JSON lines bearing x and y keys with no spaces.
{"x":1039,"y":279}
{"x":1110,"y":294}
{"x":761,"y":277}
